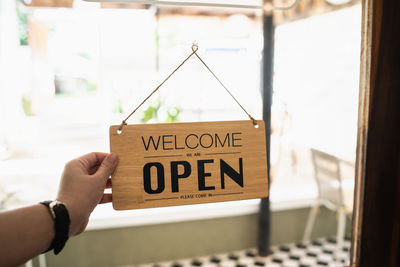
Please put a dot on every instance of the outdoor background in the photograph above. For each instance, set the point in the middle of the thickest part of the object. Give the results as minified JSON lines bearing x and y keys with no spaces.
{"x":67,"y":74}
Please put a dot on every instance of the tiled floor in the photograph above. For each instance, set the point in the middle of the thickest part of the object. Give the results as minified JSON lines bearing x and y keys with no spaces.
{"x":319,"y":252}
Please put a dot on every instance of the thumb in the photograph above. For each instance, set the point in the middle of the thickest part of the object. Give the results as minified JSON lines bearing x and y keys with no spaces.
{"x":108,"y":165}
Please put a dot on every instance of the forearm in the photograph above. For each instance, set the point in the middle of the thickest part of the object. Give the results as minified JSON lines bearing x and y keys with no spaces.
{"x":29,"y":231}
{"x":24,"y":233}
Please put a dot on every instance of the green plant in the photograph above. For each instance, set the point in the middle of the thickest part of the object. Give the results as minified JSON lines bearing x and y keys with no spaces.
{"x":22,"y":24}
{"x":153,"y":112}
{"x":173,"y":113}
{"x":26,"y":106}
{"x":118,"y":107}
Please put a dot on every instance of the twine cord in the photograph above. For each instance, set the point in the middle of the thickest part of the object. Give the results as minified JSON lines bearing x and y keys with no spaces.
{"x":229,"y":92}
{"x":194,"y":52}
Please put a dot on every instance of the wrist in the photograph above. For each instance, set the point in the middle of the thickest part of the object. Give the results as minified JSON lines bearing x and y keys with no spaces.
{"x":61,"y":219}
{"x":76,"y":218}
{"x":49,"y":230}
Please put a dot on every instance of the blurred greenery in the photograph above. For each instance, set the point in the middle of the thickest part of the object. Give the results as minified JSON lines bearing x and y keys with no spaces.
{"x":173,"y":113}
{"x":153,"y":112}
{"x":150,"y":113}
{"x":26,"y":105}
{"x":75,"y":94}
{"x":22,"y":23}
{"x":84,"y":55}
{"x":118,"y":107}
{"x":91,"y":86}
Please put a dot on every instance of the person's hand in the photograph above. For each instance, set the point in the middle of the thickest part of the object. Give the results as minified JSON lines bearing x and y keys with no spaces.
{"x":82,"y":186}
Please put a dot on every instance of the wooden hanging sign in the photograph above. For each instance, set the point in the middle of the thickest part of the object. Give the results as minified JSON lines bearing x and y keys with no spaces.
{"x":173,"y":164}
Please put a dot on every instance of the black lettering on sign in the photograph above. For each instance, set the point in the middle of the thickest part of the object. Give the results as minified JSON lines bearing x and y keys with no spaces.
{"x":175,"y":176}
{"x":147,"y":178}
{"x":165,"y":141}
{"x":234,"y":175}
{"x":202,"y":174}
{"x":187,"y":138}
{"x":217,"y":140}
{"x":176,"y":144}
{"x":225,"y":169}
{"x":204,"y":143}
{"x":235,"y":139}
{"x":148,"y":143}
{"x":192,"y":141}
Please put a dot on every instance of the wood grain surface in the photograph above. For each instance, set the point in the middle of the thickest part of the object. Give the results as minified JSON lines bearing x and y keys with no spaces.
{"x":378,"y":242}
{"x":173,"y":164}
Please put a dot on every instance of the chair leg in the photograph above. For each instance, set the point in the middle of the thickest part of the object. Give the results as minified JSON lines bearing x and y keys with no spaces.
{"x":29,"y":263}
{"x":42,"y":260}
{"x":340,"y":231}
{"x":310,"y":221}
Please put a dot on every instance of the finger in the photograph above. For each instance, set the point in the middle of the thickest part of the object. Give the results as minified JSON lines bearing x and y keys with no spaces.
{"x":92,"y":159}
{"x":108,"y":185}
{"x":94,"y":169}
{"x":107,"y":166}
{"x":106,"y":198}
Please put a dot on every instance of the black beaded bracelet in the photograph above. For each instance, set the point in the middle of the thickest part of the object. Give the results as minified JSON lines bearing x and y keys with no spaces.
{"x":60,"y":215}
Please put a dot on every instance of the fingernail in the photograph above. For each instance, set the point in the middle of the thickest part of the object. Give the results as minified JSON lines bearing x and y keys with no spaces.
{"x":113,"y":158}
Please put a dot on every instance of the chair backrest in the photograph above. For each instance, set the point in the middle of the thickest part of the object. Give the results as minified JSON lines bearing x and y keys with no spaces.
{"x":328,"y":178}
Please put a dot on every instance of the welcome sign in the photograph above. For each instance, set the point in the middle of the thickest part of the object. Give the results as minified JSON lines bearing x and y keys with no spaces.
{"x":188,"y":163}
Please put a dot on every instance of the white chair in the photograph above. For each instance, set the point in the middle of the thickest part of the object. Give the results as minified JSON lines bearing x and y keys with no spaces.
{"x":331,"y":194}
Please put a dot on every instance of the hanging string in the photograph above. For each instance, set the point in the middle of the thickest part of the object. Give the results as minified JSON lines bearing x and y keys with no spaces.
{"x":155,"y":90}
{"x":194,"y":49}
{"x":194,"y":52}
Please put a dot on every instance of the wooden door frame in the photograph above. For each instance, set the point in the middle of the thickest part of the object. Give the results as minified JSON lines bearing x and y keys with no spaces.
{"x":376,"y":217}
